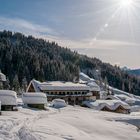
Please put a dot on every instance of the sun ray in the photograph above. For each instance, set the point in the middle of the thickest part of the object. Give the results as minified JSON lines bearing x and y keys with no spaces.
{"x":123,"y":19}
{"x":126,"y":3}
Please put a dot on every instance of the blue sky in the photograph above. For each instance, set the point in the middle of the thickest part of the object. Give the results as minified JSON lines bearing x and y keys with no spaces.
{"x":106,"y":29}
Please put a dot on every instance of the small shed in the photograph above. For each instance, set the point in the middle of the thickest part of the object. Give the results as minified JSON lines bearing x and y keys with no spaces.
{"x":35,"y":99}
{"x":8,"y":100}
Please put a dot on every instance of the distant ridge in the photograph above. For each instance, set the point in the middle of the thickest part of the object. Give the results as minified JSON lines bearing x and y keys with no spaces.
{"x":135,"y":72}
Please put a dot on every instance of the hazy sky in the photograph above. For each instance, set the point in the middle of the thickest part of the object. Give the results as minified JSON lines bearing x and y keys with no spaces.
{"x":106,"y":29}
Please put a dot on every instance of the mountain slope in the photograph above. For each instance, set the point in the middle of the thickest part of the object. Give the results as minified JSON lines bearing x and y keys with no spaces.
{"x":23,"y":58}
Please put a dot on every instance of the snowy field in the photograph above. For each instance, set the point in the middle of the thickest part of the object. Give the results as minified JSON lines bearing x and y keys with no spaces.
{"x":69,"y":123}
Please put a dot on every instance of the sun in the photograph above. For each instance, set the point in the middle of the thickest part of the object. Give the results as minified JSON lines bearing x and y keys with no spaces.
{"x":126,"y":3}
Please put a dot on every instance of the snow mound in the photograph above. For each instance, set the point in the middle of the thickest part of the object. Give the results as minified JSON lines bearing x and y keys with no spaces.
{"x":59,"y":103}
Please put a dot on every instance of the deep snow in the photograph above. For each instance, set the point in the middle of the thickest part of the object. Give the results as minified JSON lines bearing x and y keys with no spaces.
{"x":69,"y":123}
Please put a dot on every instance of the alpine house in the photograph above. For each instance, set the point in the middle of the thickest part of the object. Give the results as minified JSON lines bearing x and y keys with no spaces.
{"x":72,"y":93}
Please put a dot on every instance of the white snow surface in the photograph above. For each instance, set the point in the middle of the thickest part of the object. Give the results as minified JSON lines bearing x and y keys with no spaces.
{"x":57,"y":85}
{"x":111,"y":104}
{"x":84,"y":77}
{"x":8,"y":97}
{"x":69,"y":123}
{"x":126,"y":98}
{"x":93,"y":86}
{"x":34,"y":98}
{"x":59,"y":103}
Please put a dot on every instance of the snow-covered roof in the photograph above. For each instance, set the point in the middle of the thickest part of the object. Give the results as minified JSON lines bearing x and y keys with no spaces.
{"x":82,"y":82}
{"x":58,"y":100}
{"x":112,"y":97}
{"x":125,"y":98}
{"x":8,"y":97}
{"x":8,"y":93}
{"x":111,"y":104}
{"x":119,"y":95}
{"x":34,"y":98}
{"x":84,"y":77}
{"x":35,"y":84}
{"x":93,"y":86}
{"x":58,"y":85}
{"x":2,"y":77}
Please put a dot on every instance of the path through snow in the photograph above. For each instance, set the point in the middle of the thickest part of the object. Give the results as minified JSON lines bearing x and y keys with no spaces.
{"x":71,"y":123}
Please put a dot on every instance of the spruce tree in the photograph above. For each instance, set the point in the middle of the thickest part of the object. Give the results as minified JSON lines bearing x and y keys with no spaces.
{"x":16,"y":84}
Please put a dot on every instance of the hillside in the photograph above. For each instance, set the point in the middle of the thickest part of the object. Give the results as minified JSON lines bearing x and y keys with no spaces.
{"x":23,"y":58}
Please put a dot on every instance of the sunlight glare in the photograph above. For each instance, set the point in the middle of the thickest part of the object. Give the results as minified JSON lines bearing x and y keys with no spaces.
{"x":126,"y":3}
